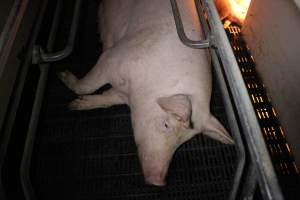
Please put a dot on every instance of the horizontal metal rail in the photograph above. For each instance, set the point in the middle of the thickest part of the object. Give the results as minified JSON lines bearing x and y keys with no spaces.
{"x":39,"y":55}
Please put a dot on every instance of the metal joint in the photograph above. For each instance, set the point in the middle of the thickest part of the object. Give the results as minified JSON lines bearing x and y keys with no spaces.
{"x":201,"y":44}
{"x":40,"y":56}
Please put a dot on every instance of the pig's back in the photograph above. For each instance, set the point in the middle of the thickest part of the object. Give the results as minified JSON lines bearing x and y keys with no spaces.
{"x":161,"y":57}
{"x":145,"y":14}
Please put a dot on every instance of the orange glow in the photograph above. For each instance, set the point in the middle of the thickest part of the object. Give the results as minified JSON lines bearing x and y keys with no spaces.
{"x":239,"y":8}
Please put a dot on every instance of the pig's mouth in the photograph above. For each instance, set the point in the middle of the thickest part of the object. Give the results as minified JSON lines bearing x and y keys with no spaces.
{"x":155,"y":173}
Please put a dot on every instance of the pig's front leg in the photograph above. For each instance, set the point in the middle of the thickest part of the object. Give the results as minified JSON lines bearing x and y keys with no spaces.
{"x":107,"y":99}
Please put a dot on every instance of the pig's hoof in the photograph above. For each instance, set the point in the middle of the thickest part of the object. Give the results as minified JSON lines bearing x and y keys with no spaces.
{"x":67,"y":78}
{"x":81,"y":103}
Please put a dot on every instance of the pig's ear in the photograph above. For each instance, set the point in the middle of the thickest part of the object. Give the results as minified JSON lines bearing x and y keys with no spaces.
{"x":178,"y":105}
{"x":214,"y":129}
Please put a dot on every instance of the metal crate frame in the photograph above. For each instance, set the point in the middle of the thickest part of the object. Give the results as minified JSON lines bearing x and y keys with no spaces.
{"x":261,"y":170}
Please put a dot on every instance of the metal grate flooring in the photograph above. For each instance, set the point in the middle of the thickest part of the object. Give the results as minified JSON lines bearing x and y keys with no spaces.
{"x":92,"y":155}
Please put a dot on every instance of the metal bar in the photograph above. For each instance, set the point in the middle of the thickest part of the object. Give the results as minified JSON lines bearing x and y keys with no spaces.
{"x":26,"y":158}
{"x":250,"y":183}
{"x":7,"y":127}
{"x":39,"y":55}
{"x":180,"y":30}
{"x":236,"y":134}
{"x":228,"y":108}
{"x":233,"y":127}
{"x":10,"y":30}
{"x":257,"y":147}
{"x":31,"y":132}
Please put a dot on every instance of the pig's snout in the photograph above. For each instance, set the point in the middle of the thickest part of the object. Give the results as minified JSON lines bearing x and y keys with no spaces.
{"x":155,"y":169}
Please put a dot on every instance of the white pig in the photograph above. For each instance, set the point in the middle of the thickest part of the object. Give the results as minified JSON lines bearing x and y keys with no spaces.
{"x":166,"y":84}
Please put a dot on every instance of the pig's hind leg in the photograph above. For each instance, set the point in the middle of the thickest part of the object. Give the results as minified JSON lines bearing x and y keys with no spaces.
{"x":107,"y":99}
{"x":92,"y":81}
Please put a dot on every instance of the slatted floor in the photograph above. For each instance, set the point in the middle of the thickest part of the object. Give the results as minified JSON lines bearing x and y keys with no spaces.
{"x":92,"y":155}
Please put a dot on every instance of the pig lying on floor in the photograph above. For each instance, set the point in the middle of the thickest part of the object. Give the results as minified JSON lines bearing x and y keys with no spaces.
{"x":166,"y":84}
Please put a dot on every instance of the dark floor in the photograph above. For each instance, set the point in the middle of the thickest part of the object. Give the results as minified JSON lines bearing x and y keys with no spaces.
{"x":92,"y":154}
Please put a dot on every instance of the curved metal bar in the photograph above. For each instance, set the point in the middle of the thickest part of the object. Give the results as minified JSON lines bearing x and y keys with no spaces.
{"x":31,"y":132}
{"x":202,"y":44}
{"x":39,"y":55}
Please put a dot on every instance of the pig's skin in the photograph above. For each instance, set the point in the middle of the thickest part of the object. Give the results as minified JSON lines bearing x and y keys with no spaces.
{"x":166,"y":84}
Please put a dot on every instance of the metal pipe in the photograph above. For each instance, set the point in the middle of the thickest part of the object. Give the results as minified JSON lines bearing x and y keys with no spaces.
{"x":34,"y":119}
{"x":10,"y":30}
{"x":257,"y":147}
{"x":7,"y":127}
{"x":39,"y":55}
{"x":231,"y":116}
{"x":180,"y":30}
{"x":236,"y":134}
{"x":26,"y":158}
{"x":250,"y":183}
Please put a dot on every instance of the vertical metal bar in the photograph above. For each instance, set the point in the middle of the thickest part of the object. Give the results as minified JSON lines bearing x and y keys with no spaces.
{"x":26,"y":158}
{"x":228,"y":108}
{"x":44,"y":68}
{"x":257,"y":147}
{"x":10,"y":30}
{"x":233,"y":126}
{"x":6,"y":130}
{"x":250,"y":183}
{"x":39,"y":56}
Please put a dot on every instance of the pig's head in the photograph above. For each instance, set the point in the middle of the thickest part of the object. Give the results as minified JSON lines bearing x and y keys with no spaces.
{"x":159,"y":131}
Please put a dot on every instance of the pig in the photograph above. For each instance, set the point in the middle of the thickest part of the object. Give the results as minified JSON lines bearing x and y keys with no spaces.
{"x":166,"y":84}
